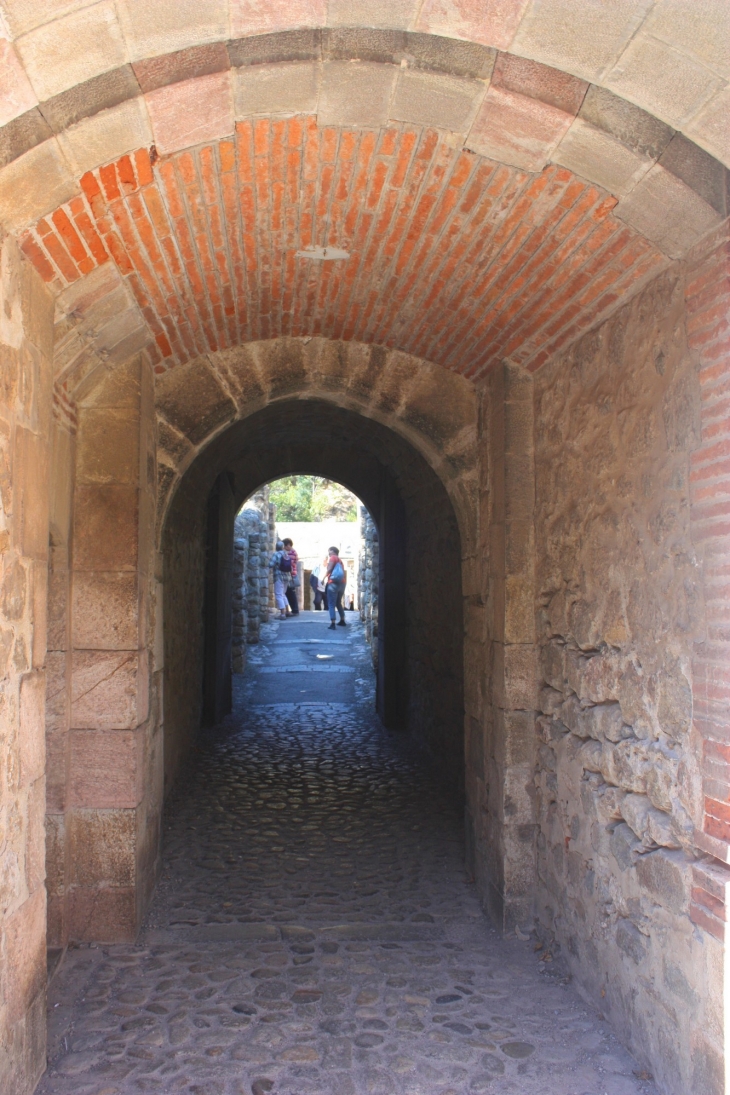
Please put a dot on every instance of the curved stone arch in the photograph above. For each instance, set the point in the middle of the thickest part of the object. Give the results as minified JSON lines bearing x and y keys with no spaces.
{"x":627,"y":50}
{"x":434,"y":410}
{"x":514,"y":110}
{"x":452,"y":257}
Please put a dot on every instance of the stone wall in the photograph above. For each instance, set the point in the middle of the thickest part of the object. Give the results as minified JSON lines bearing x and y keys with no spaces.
{"x":252,"y":577}
{"x":26,"y":339}
{"x":619,"y":605}
{"x":500,"y":672}
{"x":368,"y":578}
{"x":104,"y":736}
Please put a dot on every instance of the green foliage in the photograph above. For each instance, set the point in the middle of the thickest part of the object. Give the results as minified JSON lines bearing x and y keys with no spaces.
{"x":310,"y":498}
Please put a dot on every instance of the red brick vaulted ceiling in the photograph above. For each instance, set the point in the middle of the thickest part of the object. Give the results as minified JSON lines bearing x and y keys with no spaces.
{"x":453,"y":257}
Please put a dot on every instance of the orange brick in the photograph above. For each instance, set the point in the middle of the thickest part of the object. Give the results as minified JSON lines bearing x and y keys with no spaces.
{"x":33,"y":251}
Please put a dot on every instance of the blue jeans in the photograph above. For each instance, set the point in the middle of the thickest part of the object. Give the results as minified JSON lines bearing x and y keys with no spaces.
{"x":334,"y":599}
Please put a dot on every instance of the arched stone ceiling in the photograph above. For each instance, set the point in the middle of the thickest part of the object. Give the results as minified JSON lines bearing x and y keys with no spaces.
{"x":532,"y":200}
{"x":446,"y":255}
{"x":669,"y":57}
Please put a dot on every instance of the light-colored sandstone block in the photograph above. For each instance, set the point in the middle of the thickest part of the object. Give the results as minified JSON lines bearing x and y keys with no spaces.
{"x":121,"y":387}
{"x":108,"y":446}
{"x":491,"y":22}
{"x":253,"y":17}
{"x":107,"y":136}
{"x":199,"y":405}
{"x":102,"y":915}
{"x":662,"y":80}
{"x":25,"y":946}
{"x":371,"y":13}
{"x":104,"y":690}
{"x":700,"y":29}
{"x":586,"y":39}
{"x":73,"y":49}
{"x":106,"y":768}
{"x":102,"y":846}
{"x":273,"y":89}
{"x":710,"y":129}
{"x":35,"y":851}
{"x":84,"y":297}
{"x":33,"y":185}
{"x":355,"y":93}
{"x":667,"y":212}
{"x":23,"y":15}
{"x":191,"y":112}
{"x":105,"y":611}
{"x":106,"y":524}
{"x":31,"y":493}
{"x":32,"y":727}
{"x":443,"y":101}
{"x":169,"y":25}
{"x":600,"y":158}
{"x":16,"y":94}
{"x":517,"y":130}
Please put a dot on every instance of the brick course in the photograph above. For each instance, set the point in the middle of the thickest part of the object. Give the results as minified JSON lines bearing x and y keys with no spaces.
{"x":508,"y":265}
{"x":708,"y":328}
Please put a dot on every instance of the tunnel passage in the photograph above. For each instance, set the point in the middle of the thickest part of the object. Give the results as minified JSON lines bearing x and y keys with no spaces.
{"x":420,"y":687}
{"x":505,"y":177}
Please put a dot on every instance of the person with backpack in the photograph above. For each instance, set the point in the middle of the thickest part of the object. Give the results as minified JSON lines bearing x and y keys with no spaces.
{"x":280,"y":565}
{"x":336,"y":582}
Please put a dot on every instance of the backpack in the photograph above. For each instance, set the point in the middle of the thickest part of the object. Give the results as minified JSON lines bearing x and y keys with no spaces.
{"x":285,"y":563}
{"x":338,"y":572}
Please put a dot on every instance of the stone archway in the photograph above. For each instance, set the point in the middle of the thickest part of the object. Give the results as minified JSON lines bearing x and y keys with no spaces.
{"x":541,"y":154}
{"x":344,"y":410}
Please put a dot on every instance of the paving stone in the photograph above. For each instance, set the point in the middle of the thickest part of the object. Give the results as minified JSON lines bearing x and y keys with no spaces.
{"x":305,"y":831}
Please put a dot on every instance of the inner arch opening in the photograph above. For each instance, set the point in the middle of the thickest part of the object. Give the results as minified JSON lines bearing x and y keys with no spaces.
{"x":420,"y":634}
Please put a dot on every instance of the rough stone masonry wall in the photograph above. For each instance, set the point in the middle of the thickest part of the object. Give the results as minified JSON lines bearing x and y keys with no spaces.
{"x":368,"y":578}
{"x":617,"y":784}
{"x":251,"y":579}
{"x":26,"y":348}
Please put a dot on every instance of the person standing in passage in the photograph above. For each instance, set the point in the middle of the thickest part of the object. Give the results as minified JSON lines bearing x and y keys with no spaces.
{"x":314,"y":586}
{"x":336,"y":582}
{"x":318,"y":582}
{"x":280,"y":567}
{"x":295,"y":581}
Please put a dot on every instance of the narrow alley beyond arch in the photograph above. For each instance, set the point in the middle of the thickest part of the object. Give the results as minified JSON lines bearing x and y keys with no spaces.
{"x":314,"y":930}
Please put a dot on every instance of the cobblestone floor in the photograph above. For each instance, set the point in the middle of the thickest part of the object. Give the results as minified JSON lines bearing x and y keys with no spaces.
{"x":313,"y":932}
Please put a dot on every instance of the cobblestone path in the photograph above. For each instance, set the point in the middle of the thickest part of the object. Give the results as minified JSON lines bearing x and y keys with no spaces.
{"x":313,"y":932}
